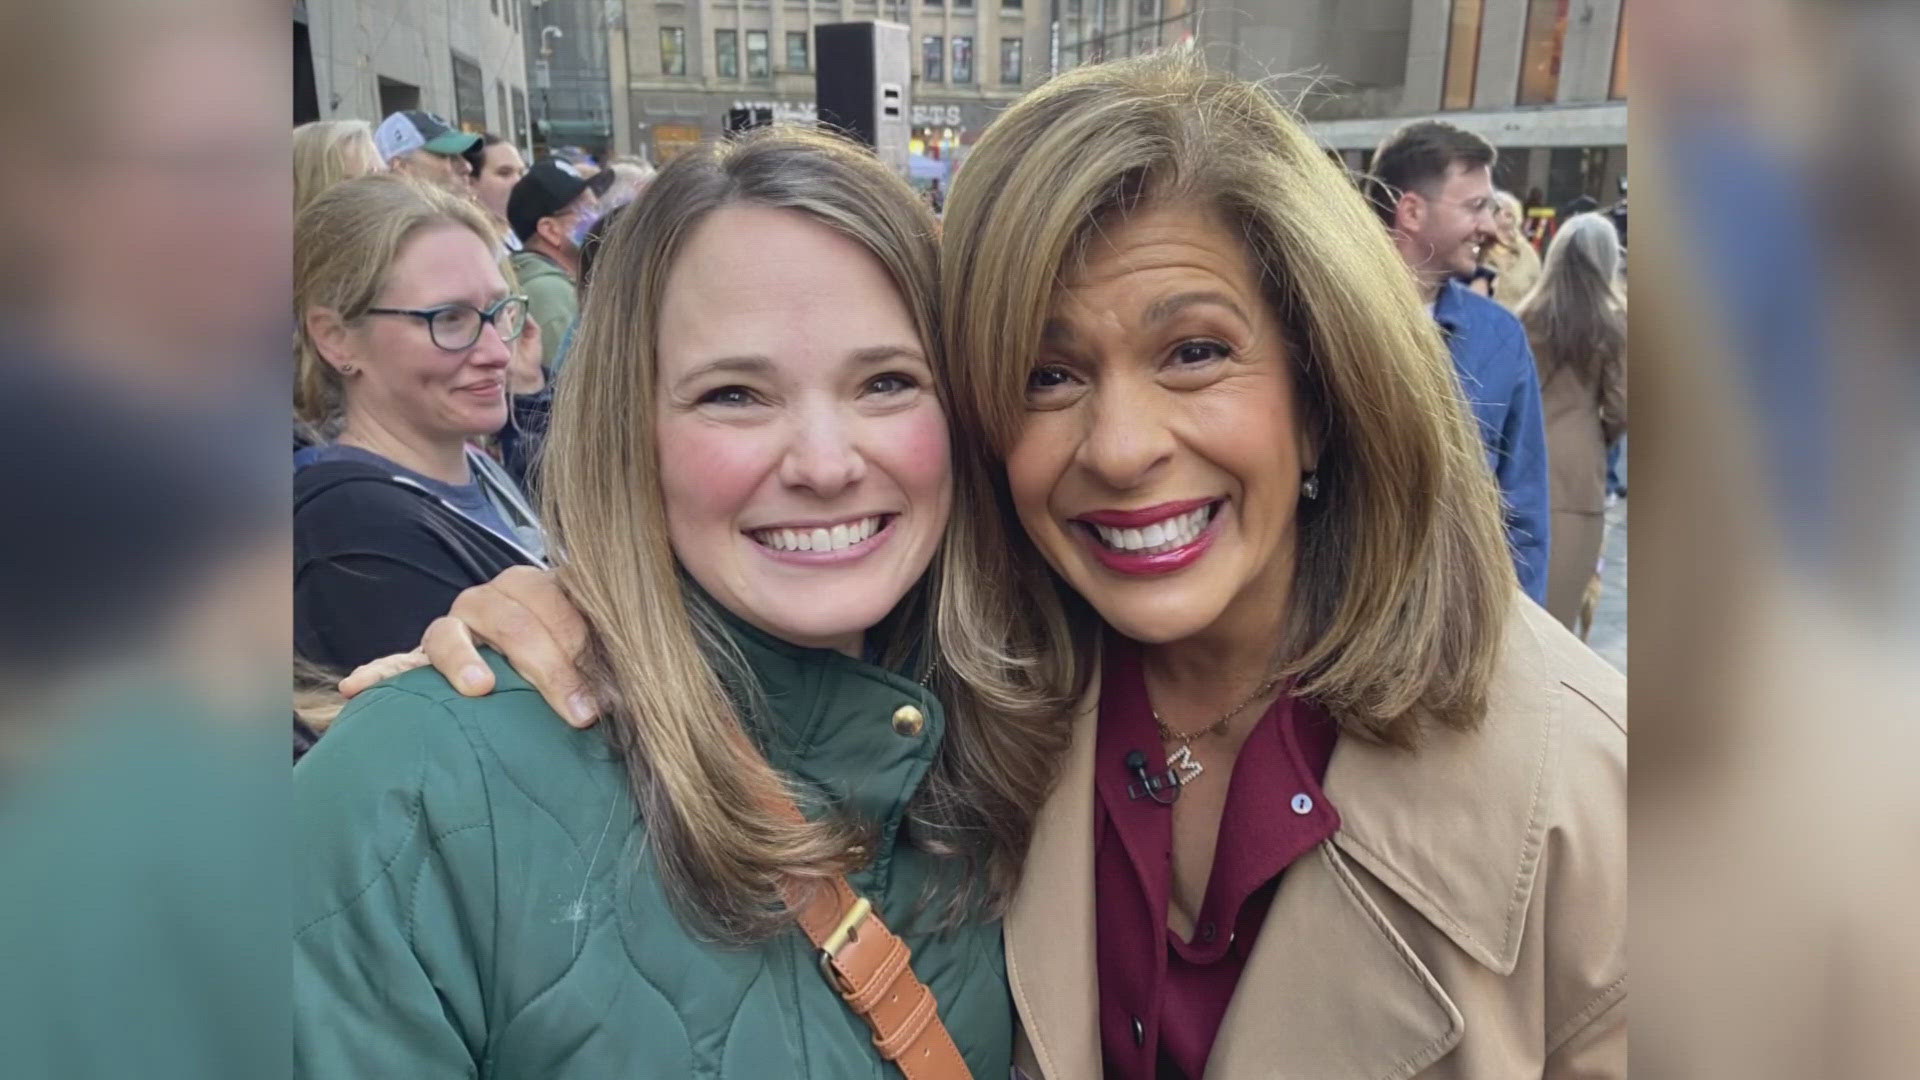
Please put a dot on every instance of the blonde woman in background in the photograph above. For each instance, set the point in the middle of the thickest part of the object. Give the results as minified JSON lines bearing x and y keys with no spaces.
{"x":326,"y":152}
{"x":405,"y":334}
{"x":1511,"y":255}
{"x":1576,"y":319}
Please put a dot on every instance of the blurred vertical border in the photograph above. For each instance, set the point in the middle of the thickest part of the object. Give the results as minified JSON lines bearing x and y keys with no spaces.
{"x":1775,"y":366}
{"x":144,"y":614}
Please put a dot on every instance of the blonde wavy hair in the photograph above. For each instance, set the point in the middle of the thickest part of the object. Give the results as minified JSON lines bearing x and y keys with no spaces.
{"x":1403,"y":576}
{"x":1511,"y":253}
{"x":674,"y":687}
{"x":343,"y":244}
{"x":326,"y":152}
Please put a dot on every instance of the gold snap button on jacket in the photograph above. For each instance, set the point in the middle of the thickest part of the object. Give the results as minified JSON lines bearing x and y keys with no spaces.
{"x":908,"y":721}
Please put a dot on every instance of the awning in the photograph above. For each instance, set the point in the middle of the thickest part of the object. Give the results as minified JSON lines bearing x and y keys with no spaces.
{"x":577,"y":127}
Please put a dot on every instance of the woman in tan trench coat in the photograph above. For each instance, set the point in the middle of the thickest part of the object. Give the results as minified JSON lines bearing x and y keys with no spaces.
{"x":1261,"y":541}
{"x":1576,"y":320}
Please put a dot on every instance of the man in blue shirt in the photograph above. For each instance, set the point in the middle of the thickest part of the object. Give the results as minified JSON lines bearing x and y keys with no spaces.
{"x":1433,"y":186}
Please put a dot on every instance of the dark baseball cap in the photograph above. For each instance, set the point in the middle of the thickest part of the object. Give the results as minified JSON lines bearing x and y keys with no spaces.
{"x":549,"y":187}
{"x":404,"y":132}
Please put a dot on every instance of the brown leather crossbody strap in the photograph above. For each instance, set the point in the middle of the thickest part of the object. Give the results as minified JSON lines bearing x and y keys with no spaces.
{"x":870,"y":968}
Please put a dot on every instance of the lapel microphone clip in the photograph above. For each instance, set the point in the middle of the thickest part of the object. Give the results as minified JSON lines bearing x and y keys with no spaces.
{"x":1163,"y":788}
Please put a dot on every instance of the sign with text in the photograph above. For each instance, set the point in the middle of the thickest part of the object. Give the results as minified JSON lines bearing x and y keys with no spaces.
{"x":798,"y":112}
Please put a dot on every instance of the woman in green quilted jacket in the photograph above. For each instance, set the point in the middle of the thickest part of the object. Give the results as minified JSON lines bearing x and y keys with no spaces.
{"x":750,"y":482}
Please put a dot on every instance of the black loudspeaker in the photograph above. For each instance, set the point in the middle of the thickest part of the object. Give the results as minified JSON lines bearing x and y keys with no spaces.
{"x":862,"y":75}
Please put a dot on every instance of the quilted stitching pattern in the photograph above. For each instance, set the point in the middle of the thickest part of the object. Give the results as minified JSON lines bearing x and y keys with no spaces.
{"x":581,"y":965}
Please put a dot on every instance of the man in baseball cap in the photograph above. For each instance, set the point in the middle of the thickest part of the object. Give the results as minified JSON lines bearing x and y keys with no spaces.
{"x":423,"y":146}
{"x":550,"y":209}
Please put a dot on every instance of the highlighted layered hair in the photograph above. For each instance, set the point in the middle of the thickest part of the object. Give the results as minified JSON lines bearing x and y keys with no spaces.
{"x":675,"y":689}
{"x":1403,"y":577}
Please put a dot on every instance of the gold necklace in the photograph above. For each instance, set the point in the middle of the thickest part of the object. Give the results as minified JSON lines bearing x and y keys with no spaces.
{"x":1184,"y":765}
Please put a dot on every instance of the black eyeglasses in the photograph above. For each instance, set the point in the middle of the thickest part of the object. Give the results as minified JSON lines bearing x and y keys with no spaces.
{"x":454,"y":327}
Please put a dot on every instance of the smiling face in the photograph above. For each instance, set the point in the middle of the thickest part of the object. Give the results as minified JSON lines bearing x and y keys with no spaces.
{"x":1160,"y":463}
{"x":402,"y":380}
{"x":1447,"y":225}
{"x":803,"y":454}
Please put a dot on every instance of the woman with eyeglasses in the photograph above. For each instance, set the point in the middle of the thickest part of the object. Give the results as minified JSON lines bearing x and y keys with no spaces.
{"x":405,"y":329}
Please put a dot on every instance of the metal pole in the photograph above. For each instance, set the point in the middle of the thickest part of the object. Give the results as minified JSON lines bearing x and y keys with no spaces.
{"x":1053,"y":39}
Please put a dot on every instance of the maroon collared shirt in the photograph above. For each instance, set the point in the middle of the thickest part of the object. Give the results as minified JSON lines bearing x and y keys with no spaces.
{"x":1162,"y":998}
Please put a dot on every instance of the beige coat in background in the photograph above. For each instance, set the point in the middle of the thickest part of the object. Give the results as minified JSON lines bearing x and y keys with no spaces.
{"x":1582,"y":419}
{"x":1468,"y":921}
{"x":1518,"y":265}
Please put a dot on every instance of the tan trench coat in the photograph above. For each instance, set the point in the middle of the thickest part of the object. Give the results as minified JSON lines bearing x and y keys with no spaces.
{"x":1581,"y":420}
{"x":1468,"y":921}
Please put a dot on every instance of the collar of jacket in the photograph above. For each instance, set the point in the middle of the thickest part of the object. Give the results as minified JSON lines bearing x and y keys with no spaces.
{"x":1422,"y":821}
{"x":1449,"y":305}
{"x":828,"y":719}
{"x":1455,"y":830}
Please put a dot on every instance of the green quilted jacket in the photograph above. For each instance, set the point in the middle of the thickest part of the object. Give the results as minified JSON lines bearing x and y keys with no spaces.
{"x":473,"y":895}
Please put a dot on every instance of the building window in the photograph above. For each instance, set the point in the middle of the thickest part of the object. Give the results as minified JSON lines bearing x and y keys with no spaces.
{"x":1540,"y":62}
{"x":1010,"y":4}
{"x":469,"y":95}
{"x":932,"y":3}
{"x":962,"y":60}
{"x":726,"y":53}
{"x":1010,"y":61}
{"x":759,"y":58}
{"x":495,"y":4}
{"x":1618,"y":87}
{"x":500,"y":93}
{"x":962,"y":3}
{"x":930,"y":47}
{"x":796,"y":50}
{"x":673,"y":50}
{"x":1463,"y":54}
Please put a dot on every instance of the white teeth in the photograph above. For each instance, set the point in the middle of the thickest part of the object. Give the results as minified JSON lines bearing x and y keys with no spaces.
{"x":836,"y":538}
{"x":1161,"y":536}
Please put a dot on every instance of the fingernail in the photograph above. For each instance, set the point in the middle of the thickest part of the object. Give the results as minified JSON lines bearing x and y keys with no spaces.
{"x":582,"y":708}
{"x":472,"y":676}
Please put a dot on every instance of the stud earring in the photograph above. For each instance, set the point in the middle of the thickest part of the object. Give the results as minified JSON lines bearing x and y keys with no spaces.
{"x":1310,"y":487}
{"x":346,"y":369}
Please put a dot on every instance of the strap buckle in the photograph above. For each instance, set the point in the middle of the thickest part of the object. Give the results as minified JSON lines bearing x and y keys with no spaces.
{"x":842,"y":932}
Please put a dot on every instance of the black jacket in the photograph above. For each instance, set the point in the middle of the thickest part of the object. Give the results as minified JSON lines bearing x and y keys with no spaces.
{"x":376,"y":558}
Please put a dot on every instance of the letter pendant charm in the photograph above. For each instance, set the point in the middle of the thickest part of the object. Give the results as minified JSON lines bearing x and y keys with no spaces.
{"x":1184,"y":766}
